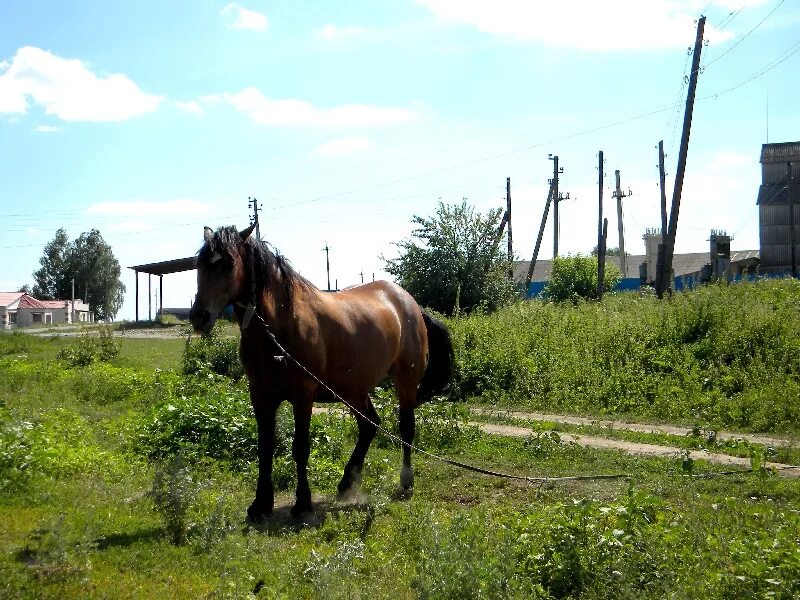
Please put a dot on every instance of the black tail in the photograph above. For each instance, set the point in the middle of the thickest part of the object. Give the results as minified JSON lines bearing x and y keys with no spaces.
{"x":439,"y":371}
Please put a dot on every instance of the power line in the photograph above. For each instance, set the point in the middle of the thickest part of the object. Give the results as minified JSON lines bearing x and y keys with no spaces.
{"x":791,"y":50}
{"x":745,"y":36}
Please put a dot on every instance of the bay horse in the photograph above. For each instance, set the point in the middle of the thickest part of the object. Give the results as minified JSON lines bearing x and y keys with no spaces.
{"x":349,"y":340}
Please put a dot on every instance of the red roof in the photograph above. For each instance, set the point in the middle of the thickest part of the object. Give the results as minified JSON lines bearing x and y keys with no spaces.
{"x":7,"y":298}
{"x":28,"y":301}
{"x":53,"y":303}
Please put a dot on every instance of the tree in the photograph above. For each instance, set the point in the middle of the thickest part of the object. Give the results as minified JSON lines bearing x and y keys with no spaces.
{"x":49,"y":279}
{"x":452,"y":261}
{"x":609,"y":251}
{"x":25,"y":288}
{"x":90,"y":262}
{"x":575,"y":278}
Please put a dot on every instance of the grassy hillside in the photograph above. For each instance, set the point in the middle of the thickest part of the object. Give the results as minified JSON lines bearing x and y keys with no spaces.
{"x":726,"y":356}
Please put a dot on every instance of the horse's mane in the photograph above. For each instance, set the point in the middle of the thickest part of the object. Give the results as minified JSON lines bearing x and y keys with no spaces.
{"x":258,"y":258}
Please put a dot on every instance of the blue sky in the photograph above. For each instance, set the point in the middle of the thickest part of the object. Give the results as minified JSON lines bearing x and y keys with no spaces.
{"x":149,"y":119}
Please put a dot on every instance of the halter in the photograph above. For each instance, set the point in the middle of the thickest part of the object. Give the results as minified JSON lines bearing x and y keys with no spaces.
{"x":250,"y":309}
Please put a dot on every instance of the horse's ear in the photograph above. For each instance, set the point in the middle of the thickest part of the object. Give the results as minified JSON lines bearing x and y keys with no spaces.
{"x":245,"y":233}
{"x":208,"y":234}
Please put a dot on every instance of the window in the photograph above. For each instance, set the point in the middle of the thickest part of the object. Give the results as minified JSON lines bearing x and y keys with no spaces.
{"x":36,"y":318}
{"x":12,"y":317}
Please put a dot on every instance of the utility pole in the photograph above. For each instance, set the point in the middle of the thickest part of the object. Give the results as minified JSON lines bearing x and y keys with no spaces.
{"x":557,"y":197}
{"x":532,"y":266}
{"x":508,"y":219}
{"x":669,"y":249}
{"x":498,"y":234}
{"x":601,"y":258}
{"x":328,"y":264}
{"x":662,"y":182}
{"x":790,"y":199}
{"x":72,"y":311}
{"x":601,"y":262}
{"x":619,"y":195}
{"x":253,"y":203}
{"x":362,"y":276}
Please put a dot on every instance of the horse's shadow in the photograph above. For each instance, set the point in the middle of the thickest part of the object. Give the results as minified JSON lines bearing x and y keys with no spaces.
{"x":281,"y":521}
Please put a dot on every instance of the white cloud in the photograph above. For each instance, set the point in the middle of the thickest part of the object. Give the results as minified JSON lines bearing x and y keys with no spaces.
{"x":583,"y":24}
{"x":137,"y":208}
{"x":345,"y":145}
{"x":266,"y":111}
{"x":238,"y":17}
{"x":67,"y":89}
{"x":331,"y":31}
{"x":47,"y":128}
{"x":4,"y":65}
{"x":192,"y":106}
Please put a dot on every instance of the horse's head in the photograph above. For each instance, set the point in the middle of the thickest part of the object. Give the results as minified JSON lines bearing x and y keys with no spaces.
{"x":221,"y":275}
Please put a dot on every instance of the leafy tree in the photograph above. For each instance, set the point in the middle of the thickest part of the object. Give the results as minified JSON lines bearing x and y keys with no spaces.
{"x":575,"y":277}
{"x":49,"y":279}
{"x":452,"y":261}
{"x":609,"y":252}
{"x":88,"y":260}
{"x":25,"y":288}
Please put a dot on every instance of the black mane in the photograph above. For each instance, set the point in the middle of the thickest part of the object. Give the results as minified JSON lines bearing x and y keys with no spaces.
{"x":258,"y":258}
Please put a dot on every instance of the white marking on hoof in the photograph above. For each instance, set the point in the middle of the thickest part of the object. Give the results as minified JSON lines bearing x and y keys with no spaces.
{"x":407,"y":477}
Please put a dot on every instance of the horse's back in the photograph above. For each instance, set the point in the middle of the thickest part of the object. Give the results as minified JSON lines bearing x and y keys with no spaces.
{"x":377,"y":323}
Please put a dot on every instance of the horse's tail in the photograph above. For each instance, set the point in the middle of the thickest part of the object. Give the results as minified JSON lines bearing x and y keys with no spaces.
{"x":439,"y":371}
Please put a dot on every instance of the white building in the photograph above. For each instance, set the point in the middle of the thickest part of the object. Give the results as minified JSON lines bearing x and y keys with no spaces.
{"x":20,"y":309}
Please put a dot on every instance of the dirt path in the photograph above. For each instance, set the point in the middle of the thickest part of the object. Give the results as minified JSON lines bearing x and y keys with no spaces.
{"x":632,"y":448}
{"x":640,"y":449}
{"x":638,"y":427}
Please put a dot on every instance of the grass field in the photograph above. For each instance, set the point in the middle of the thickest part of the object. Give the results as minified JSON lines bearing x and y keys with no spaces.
{"x":127,"y":478}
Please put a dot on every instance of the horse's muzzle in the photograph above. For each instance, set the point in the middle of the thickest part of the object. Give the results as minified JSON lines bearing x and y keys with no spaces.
{"x":201,"y":320}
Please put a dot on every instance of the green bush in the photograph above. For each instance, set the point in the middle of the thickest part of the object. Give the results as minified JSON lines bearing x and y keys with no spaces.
{"x":213,"y":354}
{"x":574,"y":278}
{"x":89,"y":348}
{"x":173,"y":493}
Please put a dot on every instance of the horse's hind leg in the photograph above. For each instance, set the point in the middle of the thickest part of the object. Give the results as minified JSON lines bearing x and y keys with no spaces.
{"x":367,"y":427}
{"x":407,"y":395}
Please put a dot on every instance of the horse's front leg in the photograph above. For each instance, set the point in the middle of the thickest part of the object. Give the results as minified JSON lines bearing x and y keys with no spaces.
{"x":265,"y":418}
{"x":301,"y":449}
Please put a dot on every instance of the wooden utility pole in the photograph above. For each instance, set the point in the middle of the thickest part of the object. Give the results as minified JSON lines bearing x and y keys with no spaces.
{"x":669,"y":248}
{"x":253,"y":203}
{"x":600,"y":236}
{"x":790,"y":199}
{"x":619,"y":195}
{"x":662,"y":182}
{"x":328,"y":264}
{"x":508,"y":220}
{"x":149,"y":297}
{"x":556,"y":222}
{"x":498,"y":234}
{"x":601,"y":261}
{"x":532,"y":266}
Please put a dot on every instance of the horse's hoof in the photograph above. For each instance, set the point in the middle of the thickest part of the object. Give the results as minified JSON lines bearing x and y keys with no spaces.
{"x":407,"y":477}
{"x":258,"y":514}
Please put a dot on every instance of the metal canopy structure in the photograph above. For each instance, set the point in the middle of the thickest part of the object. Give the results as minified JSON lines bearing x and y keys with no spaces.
{"x":166,"y":267}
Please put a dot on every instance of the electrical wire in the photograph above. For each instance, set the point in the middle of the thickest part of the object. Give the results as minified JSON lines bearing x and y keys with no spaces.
{"x":745,"y":36}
